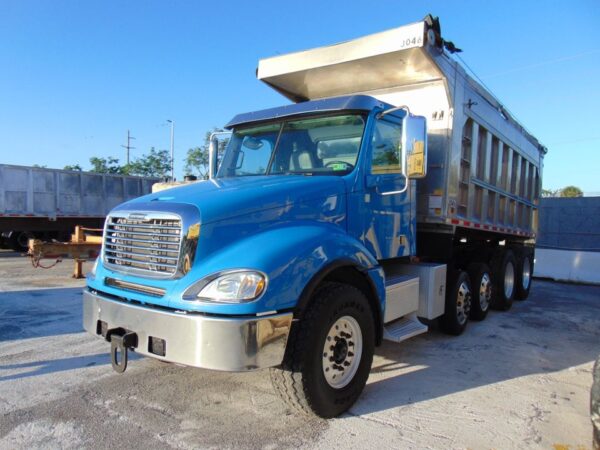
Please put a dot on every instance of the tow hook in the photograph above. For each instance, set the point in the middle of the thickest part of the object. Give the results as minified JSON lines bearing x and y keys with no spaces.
{"x":120,"y":341}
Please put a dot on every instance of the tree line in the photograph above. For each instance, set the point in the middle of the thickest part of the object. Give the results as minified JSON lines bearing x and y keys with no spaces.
{"x":567,"y":191}
{"x":155,"y":163}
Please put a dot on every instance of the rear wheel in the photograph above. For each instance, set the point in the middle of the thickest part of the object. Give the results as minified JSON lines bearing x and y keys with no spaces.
{"x":481,"y":282}
{"x":458,"y":304}
{"x":524,"y":276}
{"x":19,"y":240}
{"x":503,"y":273}
{"x":329,"y":353}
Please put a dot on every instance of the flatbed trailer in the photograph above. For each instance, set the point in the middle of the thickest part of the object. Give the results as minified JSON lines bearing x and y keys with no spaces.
{"x":37,"y":202}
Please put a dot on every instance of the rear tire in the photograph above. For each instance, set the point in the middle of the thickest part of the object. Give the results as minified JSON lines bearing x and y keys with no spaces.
{"x":524,"y":276}
{"x":458,"y":304}
{"x":503,"y":273}
{"x":19,"y":240}
{"x":481,"y":283}
{"x":325,"y":368}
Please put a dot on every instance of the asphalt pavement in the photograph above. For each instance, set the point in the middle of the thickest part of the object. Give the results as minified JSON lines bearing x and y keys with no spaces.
{"x":520,"y":379}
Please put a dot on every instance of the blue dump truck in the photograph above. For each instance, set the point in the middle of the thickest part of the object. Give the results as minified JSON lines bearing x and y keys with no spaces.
{"x":394,"y":192}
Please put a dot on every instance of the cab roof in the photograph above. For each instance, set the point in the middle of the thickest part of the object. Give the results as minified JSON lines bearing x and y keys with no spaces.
{"x":344,"y":103}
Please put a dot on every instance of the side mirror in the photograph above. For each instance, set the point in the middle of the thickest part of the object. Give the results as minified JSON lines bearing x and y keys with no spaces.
{"x":213,"y":145}
{"x":213,"y":153}
{"x":415,"y":145}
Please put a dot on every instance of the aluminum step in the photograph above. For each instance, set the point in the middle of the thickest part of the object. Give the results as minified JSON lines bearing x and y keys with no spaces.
{"x":403,"y":329}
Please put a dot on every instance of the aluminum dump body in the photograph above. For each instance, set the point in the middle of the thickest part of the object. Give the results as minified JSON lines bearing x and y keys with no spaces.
{"x":52,"y":193}
{"x":484,"y":168}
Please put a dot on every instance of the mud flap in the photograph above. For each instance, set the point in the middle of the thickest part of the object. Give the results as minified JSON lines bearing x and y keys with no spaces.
{"x":120,"y":341}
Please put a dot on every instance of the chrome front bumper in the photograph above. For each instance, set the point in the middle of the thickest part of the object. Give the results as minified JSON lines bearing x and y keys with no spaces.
{"x":230,"y":344}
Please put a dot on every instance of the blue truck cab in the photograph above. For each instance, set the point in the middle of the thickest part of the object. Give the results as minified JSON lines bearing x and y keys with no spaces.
{"x":299,"y":253}
{"x":213,"y":274}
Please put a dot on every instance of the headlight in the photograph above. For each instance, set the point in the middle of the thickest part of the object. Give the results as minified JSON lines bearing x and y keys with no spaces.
{"x":232,"y":287}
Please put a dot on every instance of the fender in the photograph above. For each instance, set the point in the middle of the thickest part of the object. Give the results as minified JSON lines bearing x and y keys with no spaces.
{"x":291,"y":256}
{"x":375,"y":285}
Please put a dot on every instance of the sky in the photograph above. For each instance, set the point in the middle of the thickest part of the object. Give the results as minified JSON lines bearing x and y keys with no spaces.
{"x":75,"y":76}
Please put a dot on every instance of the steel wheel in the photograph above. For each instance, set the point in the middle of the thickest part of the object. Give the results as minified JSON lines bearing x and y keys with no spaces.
{"x":485,"y":292}
{"x":504,"y":277}
{"x":509,"y":279}
{"x":526,"y":274}
{"x":481,"y":280}
{"x":463,"y":303}
{"x":523,"y":275}
{"x":458,"y":303}
{"x":342,"y":352}
{"x":338,"y":324}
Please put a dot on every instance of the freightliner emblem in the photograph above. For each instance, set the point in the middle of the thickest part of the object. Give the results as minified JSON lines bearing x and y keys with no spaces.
{"x":137,"y":216}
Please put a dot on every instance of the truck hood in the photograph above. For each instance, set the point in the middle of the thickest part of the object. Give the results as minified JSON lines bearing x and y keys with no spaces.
{"x":226,"y":198}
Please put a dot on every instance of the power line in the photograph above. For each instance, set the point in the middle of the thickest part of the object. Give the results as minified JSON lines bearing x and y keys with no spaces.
{"x":543,"y":63}
{"x":128,"y":146}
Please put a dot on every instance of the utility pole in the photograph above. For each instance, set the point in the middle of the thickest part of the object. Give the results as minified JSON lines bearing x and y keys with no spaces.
{"x":172,"y":149}
{"x":128,"y":146}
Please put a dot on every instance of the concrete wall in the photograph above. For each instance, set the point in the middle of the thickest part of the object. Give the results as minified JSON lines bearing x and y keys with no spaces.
{"x":568,"y":244}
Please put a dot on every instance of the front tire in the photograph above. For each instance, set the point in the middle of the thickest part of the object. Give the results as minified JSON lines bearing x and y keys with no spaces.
{"x":329,"y":353}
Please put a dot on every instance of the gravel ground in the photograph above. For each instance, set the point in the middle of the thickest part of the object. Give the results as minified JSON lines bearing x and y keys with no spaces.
{"x":520,"y":379}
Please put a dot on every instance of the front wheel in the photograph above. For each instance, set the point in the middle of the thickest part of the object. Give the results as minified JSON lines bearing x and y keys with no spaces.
{"x":329,"y":353}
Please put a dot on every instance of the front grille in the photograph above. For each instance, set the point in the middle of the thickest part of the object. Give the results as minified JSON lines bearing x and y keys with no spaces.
{"x":143,"y":243}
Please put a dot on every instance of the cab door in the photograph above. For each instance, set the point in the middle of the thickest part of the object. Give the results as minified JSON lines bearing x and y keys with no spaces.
{"x":387,"y":218}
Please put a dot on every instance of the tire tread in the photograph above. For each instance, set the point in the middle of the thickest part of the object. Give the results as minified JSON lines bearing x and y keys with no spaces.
{"x":288,"y":379}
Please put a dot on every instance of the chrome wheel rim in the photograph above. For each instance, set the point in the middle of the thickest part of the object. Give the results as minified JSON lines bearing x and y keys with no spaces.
{"x":485,"y":292}
{"x":463,"y":303}
{"x":509,"y":280}
{"x":526,"y":277}
{"x":342,"y":352}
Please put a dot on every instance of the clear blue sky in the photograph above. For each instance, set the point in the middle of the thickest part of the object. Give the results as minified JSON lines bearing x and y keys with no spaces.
{"x":74,"y":76}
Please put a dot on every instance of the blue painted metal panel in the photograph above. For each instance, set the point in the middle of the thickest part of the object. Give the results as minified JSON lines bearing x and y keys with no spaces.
{"x":288,"y":227}
{"x":569,"y":223}
{"x":289,"y":254}
{"x":380,"y":221}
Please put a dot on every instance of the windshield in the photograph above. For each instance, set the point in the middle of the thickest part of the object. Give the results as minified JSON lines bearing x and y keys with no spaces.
{"x":313,"y":146}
